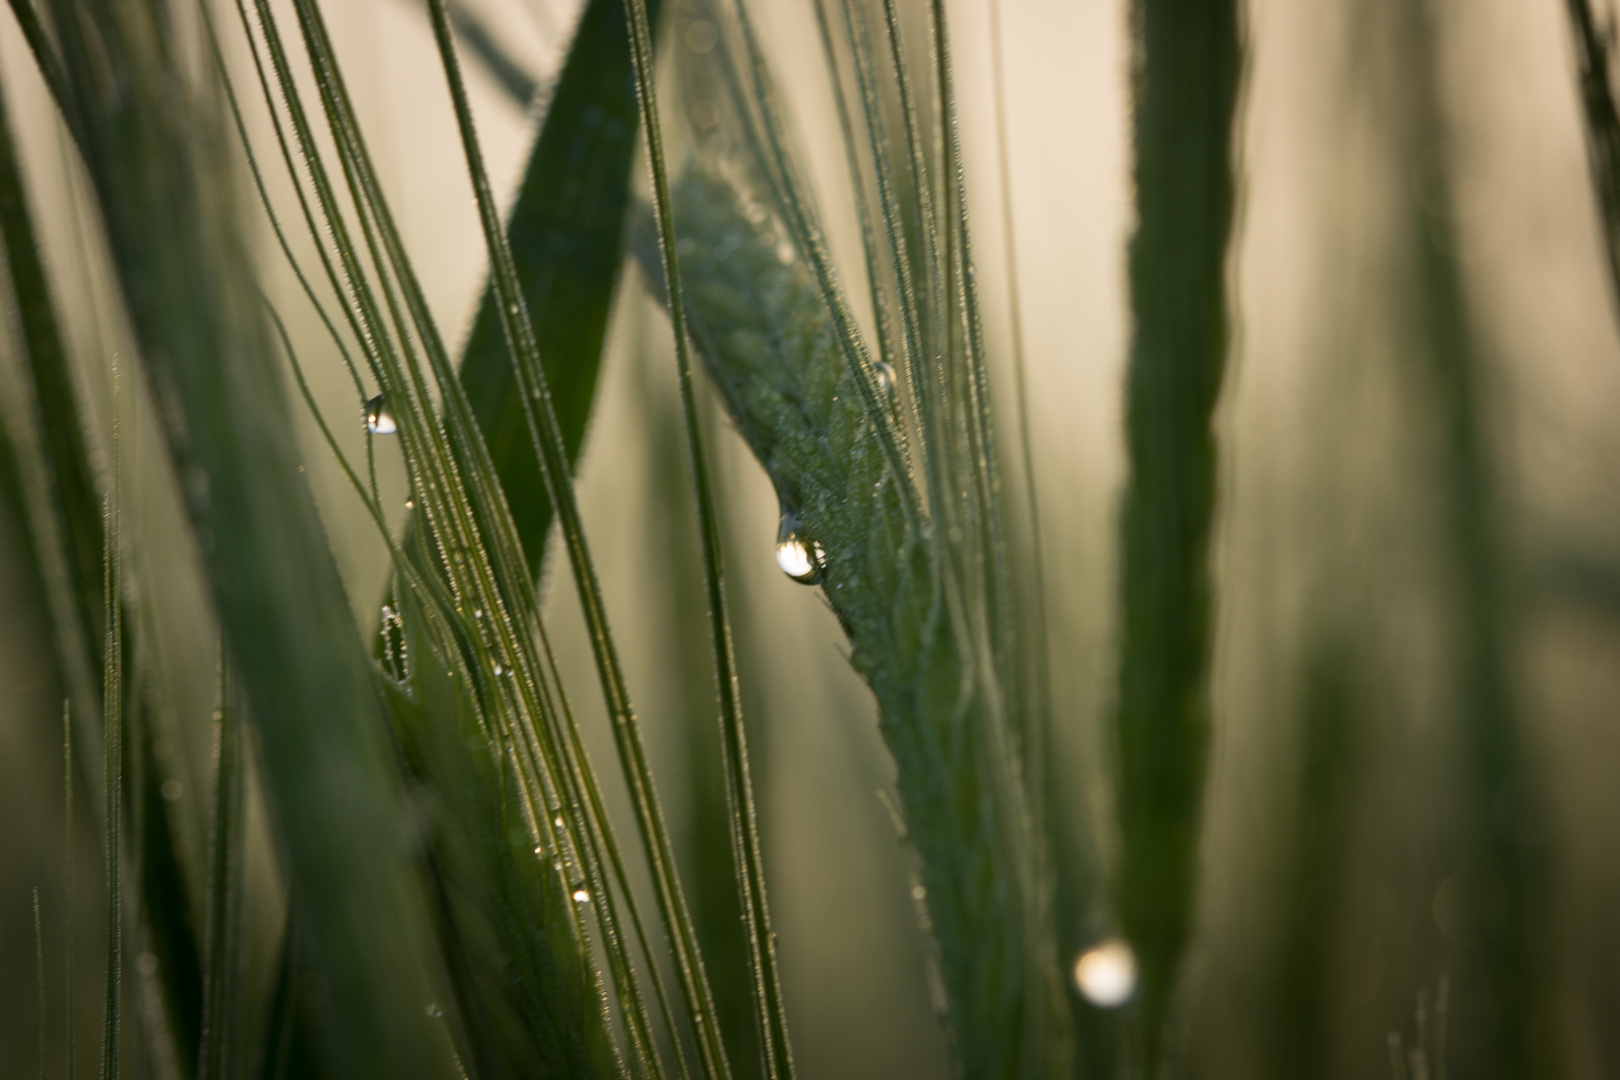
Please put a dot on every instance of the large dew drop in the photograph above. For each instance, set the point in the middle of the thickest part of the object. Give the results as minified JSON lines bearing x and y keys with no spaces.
{"x":800,"y":559}
{"x":885,"y":378}
{"x":379,"y":421}
{"x":1106,"y":973}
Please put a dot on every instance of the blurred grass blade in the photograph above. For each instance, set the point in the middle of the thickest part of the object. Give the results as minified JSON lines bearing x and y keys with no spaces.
{"x":112,"y":745}
{"x":1516,"y":975}
{"x":1592,"y":55}
{"x":483,"y":44}
{"x":566,"y":236}
{"x":72,"y":505}
{"x":39,"y":982}
{"x":67,"y":813}
{"x":222,"y":942}
{"x":1187,"y":65}
{"x":174,"y":243}
{"x":775,"y":1048}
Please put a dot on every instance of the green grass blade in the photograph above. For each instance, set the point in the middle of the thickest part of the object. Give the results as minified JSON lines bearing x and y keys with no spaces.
{"x":112,"y":743}
{"x":72,"y":485}
{"x":1188,"y":62}
{"x":566,"y":237}
{"x":1473,"y":547}
{"x":772,"y":347}
{"x":174,"y":244}
{"x":1602,"y":125}
{"x":541,"y":420}
{"x":776,"y":1050}
{"x":67,"y":808}
{"x":222,"y":942}
{"x":39,"y":982}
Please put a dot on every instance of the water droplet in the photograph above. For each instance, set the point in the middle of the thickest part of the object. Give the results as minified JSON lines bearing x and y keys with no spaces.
{"x":701,"y":36}
{"x":1106,"y":973}
{"x":379,"y":421}
{"x":147,"y":963}
{"x":582,"y":896}
{"x":885,"y":378}
{"x":800,"y":559}
{"x":172,"y":789}
{"x":410,"y":504}
{"x":919,"y":893}
{"x":499,"y":670}
{"x":557,"y":821}
{"x":784,"y":252}
{"x":434,"y":1010}
{"x":755,"y":213}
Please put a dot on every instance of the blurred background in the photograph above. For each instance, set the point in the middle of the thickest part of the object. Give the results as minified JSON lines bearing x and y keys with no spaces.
{"x":1338,"y":883}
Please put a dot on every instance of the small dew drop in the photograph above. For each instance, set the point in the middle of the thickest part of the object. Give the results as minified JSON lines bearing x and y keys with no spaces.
{"x":171,"y":790}
{"x":582,"y":896}
{"x":557,"y":821}
{"x":784,"y":252}
{"x":885,"y":378}
{"x":755,"y":213}
{"x":799,"y":559}
{"x":147,"y":963}
{"x":1106,"y":973}
{"x":701,"y":36}
{"x":434,"y":1010}
{"x":379,"y":421}
{"x":919,"y":893}
{"x":499,"y":670}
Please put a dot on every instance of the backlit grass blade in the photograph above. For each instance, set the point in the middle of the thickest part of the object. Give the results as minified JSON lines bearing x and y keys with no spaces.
{"x":112,"y":746}
{"x":1473,"y":547}
{"x":1187,"y":65}
{"x":1602,"y":125}
{"x":174,"y":244}
{"x":566,"y":236}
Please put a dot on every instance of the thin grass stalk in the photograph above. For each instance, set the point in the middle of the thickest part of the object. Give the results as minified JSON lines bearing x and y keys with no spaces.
{"x":775,"y":1046}
{"x":1602,"y":128}
{"x":216,"y":1053}
{"x":432,"y":488}
{"x":39,"y":981}
{"x":1186,"y":71}
{"x":67,"y":814}
{"x":112,"y":698}
{"x":276,"y":588}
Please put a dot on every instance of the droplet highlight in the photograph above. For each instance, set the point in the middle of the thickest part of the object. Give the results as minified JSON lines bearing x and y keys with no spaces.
{"x":885,"y":378}
{"x":379,"y":421}
{"x":799,"y":557}
{"x":582,"y":896}
{"x":1106,"y":973}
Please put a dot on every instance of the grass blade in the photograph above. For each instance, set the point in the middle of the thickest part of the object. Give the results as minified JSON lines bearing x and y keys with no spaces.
{"x":1473,"y":547}
{"x":1602,"y":127}
{"x":112,"y":743}
{"x":1188,"y":63}
{"x":39,"y":981}
{"x":222,"y":942}
{"x":174,"y":245}
{"x":566,"y":237}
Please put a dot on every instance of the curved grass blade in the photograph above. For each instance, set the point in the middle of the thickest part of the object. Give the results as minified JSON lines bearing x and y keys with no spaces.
{"x":566,"y":237}
{"x":1188,"y":62}
{"x":1602,"y":123}
{"x":173,"y":240}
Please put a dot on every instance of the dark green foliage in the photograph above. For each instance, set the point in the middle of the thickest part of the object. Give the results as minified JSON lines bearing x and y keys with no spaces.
{"x":565,"y":232}
{"x":1186,"y":68}
{"x":175,"y":247}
